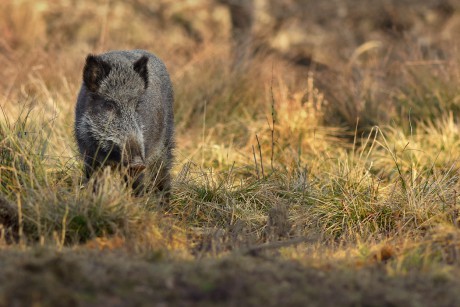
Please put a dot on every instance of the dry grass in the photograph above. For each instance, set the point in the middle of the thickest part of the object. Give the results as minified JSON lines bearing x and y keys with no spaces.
{"x":339,"y":172}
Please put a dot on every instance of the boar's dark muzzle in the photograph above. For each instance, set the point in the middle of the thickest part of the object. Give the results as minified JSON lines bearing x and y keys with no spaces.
{"x":133,"y":158}
{"x":136,"y":166}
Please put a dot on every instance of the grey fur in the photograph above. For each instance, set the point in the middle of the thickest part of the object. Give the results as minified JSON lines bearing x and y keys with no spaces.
{"x":124,"y":115}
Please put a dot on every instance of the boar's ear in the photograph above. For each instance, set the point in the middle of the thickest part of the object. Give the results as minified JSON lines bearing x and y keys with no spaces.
{"x":94,"y":72}
{"x":140,"y":66}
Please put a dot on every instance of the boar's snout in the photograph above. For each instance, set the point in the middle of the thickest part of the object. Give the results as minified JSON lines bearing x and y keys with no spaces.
{"x":135,"y":169}
{"x":133,"y":156}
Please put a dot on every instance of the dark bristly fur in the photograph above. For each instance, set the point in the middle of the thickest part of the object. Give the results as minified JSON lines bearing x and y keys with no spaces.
{"x":124,"y":116}
{"x":94,"y":72}
{"x":141,"y":68}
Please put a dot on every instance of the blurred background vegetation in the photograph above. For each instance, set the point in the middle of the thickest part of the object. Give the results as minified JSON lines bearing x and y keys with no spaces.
{"x":374,"y":60}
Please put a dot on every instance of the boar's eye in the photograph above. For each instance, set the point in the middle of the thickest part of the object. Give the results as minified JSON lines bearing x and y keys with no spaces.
{"x":109,"y":105}
{"x":100,"y":104}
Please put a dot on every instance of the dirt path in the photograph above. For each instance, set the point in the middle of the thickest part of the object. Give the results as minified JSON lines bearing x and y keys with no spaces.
{"x":112,"y":279}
